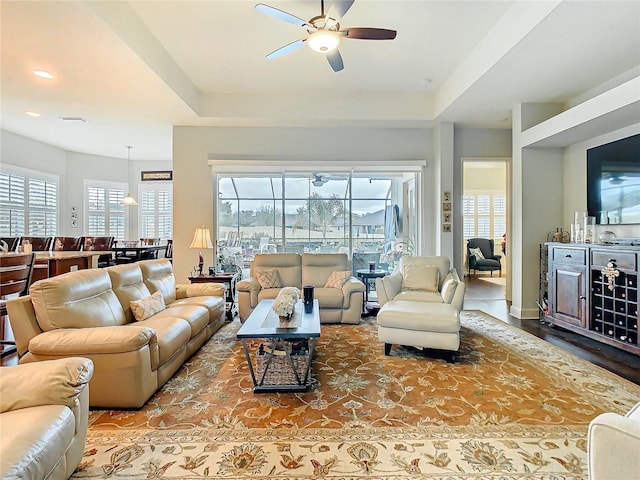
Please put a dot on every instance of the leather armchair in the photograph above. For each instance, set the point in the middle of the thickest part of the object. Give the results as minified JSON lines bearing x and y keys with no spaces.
{"x":43,"y":418}
{"x":613,"y":446}
{"x":490,"y":262}
{"x":417,"y":315}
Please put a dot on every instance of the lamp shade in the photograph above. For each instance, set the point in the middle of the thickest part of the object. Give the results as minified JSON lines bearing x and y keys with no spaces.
{"x":129,"y":201}
{"x":202,"y":238}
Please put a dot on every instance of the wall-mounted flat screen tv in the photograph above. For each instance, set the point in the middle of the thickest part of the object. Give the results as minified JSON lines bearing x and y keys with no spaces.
{"x":613,"y":181}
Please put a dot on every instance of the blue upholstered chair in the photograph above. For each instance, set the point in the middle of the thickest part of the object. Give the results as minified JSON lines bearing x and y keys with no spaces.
{"x":481,"y":256}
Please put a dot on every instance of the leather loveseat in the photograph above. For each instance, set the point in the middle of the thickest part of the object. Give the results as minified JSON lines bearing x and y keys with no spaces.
{"x":88,"y":313}
{"x":337,"y":305}
{"x":43,"y":419}
{"x":420,"y":304}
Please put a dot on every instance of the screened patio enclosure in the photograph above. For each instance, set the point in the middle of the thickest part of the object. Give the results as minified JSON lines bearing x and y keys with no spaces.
{"x":346,"y":212}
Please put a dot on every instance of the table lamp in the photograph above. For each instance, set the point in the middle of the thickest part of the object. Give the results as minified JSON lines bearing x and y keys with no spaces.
{"x":201,"y":240}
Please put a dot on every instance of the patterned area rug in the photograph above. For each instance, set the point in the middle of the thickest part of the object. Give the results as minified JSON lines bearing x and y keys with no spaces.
{"x":512,"y":406}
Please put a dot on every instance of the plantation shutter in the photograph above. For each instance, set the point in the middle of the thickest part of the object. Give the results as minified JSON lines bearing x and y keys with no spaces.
{"x":12,"y":205}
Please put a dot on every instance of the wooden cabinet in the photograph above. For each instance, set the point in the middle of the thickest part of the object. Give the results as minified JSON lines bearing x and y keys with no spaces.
{"x":593,"y":290}
{"x":568,"y":285}
{"x":568,"y":301}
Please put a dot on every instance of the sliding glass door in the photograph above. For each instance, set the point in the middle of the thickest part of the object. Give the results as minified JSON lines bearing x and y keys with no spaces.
{"x":309,"y":212}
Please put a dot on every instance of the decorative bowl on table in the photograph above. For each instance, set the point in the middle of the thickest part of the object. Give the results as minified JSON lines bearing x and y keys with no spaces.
{"x":130,"y":243}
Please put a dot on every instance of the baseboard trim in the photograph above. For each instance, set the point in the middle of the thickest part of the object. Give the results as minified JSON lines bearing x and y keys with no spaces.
{"x":524,"y":313}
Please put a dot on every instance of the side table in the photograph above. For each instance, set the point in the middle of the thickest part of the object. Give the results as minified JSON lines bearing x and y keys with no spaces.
{"x":366,"y":276}
{"x":229,"y":280}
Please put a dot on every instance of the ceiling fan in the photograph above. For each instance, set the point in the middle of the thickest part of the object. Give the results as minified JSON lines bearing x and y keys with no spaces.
{"x":324,"y":32}
{"x":319,"y":179}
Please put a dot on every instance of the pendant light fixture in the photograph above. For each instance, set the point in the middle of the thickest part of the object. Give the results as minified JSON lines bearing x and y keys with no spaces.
{"x":128,"y":200}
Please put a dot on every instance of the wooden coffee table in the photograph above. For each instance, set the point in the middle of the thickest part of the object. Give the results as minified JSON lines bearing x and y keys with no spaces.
{"x":283,"y":360}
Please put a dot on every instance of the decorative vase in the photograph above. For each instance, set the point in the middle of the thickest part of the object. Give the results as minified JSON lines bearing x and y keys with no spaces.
{"x":308,"y":298}
{"x":285,"y":320}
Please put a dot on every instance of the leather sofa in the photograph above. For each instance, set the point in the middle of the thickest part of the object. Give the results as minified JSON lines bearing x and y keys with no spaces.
{"x":613,"y":445}
{"x":337,"y":305}
{"x":88,"y":313}
{"x":420,"y":304}
{"x":43,"y":419}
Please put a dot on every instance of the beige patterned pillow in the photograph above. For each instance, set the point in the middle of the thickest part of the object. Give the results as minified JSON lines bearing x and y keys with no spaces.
{"x":269,"y":278}
{"x":337,"y":279}
{"x":147,"y":306}
{"x":420,"y":277}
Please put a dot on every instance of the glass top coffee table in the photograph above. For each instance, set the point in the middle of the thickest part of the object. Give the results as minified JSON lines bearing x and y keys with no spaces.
{"x":282,"y":361}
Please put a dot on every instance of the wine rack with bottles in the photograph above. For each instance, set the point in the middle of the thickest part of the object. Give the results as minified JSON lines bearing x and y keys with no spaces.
{"x":614,"y":313}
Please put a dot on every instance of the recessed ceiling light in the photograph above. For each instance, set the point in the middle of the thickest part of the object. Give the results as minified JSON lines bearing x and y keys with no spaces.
{"x":74,"y":119}
{"x":32,"y":114}
{"x":42,"y":74}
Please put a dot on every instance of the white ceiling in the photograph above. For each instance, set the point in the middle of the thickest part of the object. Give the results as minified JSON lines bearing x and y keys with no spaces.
{"x":134,"y":69}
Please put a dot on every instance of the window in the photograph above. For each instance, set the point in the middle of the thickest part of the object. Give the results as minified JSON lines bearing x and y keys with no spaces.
{"x":28,"y":202}
{"x":106,"y":216}
{"x":307,"y":212}
{"x":484,"y":215}
{"x":156,"y":211}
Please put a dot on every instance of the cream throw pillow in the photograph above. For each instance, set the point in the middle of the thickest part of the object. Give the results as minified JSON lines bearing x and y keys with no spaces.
{"x":449,"y":286}
{"x":476,"y":252}
{"x":420,"y":277}
{"x":268,"y":278}
{"x":338,"y":278}
{"x":147,"y":306}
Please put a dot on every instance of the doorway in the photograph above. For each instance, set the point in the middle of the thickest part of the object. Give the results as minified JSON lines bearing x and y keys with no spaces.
{"x":485,"y":214}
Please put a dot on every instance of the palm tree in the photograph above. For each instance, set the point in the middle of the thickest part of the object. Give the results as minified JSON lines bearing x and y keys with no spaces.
{"x":325,"y":212}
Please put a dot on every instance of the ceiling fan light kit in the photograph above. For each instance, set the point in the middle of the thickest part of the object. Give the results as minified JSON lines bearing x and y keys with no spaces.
{"x":324,"y":33}
{"x":323,"y":41}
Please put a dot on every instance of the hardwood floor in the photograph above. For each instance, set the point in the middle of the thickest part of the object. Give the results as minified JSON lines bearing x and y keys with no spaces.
{"x":485,"y":295}
{"x":488,"y":296}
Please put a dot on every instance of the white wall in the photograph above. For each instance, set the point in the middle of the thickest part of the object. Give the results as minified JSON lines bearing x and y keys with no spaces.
{"x":194,"y":146}
{"x":73,"y":168}
{"x":473,"y":143}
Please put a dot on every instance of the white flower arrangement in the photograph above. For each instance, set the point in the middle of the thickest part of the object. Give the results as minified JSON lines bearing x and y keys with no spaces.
{"x":285,"y":303}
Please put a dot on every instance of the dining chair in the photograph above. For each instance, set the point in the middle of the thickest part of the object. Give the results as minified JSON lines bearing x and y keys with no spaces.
{"x":100,"y":244}
{"x":150,"y":241}
{"x":168,"y":252}
{"x":38,"y":244}
{"x":151,"y":254}
{"x":69,"y":244}
{"x":15,"y":278}
{"x":12,"y":243}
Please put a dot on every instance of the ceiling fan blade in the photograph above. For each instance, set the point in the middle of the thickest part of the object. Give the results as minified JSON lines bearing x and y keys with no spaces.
{"x":286,"y":49}
{"x":362,"y":33}
{"x":339,"y":8}
{"x":335,"y":60}
{"x":280,"y":15}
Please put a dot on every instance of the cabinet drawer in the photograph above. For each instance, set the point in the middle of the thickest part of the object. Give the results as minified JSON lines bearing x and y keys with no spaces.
{"x":622,"y":260}
{"x":569,"y":255}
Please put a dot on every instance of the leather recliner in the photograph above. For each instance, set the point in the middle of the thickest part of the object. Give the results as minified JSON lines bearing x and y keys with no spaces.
{"x":44,"y":417}
{"x":613,"y":445}
{"x":421,"y":316}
